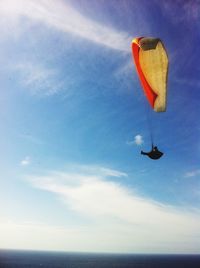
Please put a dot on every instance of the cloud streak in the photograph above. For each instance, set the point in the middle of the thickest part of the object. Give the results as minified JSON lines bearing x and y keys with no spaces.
{"x":193,"y":173}
{"x":190,"y":10}
{"x":38,"y":78}
{"x":26,"y":161}
{"x":59,"y":15}
{"x":104,"y":201}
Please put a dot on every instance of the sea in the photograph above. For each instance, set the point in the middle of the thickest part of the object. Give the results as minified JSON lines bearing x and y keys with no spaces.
{"x":41,"y":259}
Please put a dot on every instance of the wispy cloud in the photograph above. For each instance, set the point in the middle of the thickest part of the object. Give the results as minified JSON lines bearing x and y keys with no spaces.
{"x":190,"y":10}
{"x":188,"y":82}
{"x":192,"y":173}
{"x":101,"y":171}
{"x":31,"y":138}
{"x":26,"y":161}
{"x":125,"y":75}
{"x":60,"y":15}
{"x":39,"y":79}
{"x":108,"y":203}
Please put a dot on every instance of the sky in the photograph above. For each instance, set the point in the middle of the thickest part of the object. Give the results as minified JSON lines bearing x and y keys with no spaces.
{"x":73,"y":120}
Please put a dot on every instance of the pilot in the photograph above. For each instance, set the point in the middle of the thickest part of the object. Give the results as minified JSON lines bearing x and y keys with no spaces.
{"x":154,"y":153}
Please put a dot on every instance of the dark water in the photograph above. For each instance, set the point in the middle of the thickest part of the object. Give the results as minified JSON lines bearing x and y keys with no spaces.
{"x":38,"y":259}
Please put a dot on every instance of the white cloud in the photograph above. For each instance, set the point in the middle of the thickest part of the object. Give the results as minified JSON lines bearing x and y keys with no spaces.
{"x":58,"y":14}
{"x":101,"y":171}
{"x":190,"y":10}
{"x":187,"y":82}
{"x":26,"y":161}
{"x":36,"y":75}
{"x":125,"y":75}
{"x":31,"y":138}
{"x":38,"y":78}
{"x":192,"y":173}
{"x":137,"y":222}
{"x":138,"y":140}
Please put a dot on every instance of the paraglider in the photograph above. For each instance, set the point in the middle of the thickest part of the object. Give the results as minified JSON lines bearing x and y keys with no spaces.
{"x":151,"y":63}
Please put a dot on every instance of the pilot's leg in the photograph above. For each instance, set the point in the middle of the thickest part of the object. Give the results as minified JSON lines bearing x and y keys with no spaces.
{"x":144,"y":153}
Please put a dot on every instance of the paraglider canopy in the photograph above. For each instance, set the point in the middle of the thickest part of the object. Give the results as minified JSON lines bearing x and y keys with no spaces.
{"x":151,"y":62}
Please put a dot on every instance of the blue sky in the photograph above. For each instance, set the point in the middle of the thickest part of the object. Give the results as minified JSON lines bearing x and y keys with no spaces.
{"x":74,"y":119}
